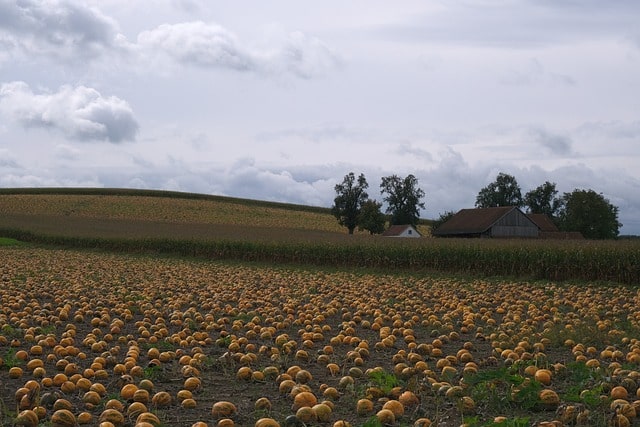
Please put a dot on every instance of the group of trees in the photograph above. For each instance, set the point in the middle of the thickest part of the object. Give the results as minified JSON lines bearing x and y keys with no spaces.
{"x":585,"y":211}
{"x":353,"y":208}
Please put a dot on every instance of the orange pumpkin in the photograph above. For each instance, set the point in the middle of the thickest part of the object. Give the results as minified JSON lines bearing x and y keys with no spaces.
{"x":113,"y":416}
{"x":304,"y":398}
{"x":223,"y":409}
{"x":161,"y":399}
{"x":266,"y":422}
{"x":63,"y":418}
{"x":27,"y":418}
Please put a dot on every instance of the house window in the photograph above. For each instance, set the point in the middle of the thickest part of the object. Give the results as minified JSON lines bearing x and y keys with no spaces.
{"x":409,"y":231}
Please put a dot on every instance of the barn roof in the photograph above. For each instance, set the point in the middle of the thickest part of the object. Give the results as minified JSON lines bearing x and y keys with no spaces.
{"x":473,"y":221}
{"x":396,"y":230}
{"x":543,"y":222}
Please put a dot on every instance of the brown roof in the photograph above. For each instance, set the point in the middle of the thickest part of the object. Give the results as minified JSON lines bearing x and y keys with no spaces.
{"x":396,"y":230}
{"x":543,"y":222}
{"x":473,"y":221}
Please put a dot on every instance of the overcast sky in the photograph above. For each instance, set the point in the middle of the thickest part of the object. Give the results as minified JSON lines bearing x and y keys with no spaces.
{"x":278,"y":100}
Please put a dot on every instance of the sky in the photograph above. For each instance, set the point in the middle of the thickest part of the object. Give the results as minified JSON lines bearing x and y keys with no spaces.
{"x":280,"y":100}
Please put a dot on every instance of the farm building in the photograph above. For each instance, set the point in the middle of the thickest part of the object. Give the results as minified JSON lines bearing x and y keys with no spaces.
{"x":402,"y":231}
{"x":507,"y":221}
{"x":548,"y":230}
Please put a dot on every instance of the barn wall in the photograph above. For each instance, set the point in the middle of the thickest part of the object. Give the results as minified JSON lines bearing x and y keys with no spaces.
{"x":514,"y":231}
{"x":514,"y":224}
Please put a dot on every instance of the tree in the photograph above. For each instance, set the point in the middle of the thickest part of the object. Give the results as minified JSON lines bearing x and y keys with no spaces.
{"x":350,"y":196}
{"x":504,"y":191}
{"x":444,"y":217}
{"x":403,"y":199}
{"x":371,"y":217}
{"x":589,"y":213}
{"x":543,"y":200}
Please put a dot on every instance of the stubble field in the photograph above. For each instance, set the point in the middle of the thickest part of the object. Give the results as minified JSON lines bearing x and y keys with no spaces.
{"x":93,"y":337}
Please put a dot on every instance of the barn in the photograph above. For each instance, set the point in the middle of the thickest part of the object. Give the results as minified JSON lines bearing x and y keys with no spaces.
{"x":506,"y":221}
{"x":402,"y":231}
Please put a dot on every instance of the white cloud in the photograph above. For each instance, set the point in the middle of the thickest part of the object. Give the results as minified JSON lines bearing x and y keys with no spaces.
{"x":58,"y":28}
{"x":79,"y":113}
{"x":304,"y":56}
{"x":208,"y":45}
{"x":196,"y":43}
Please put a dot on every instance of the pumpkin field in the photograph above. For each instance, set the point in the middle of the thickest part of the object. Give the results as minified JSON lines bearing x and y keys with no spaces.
{"x":92,"y":335}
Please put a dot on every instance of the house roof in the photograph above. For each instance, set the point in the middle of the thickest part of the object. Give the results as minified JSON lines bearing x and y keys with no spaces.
{"x":473,"y":221}
{"x":543,"y":222}
{"x":397,"y":230}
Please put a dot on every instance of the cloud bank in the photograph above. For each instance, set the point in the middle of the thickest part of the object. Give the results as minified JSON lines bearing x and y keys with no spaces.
{"x":208,"y":45}
{"x":80,"y":113}
{"x":57,"y":28}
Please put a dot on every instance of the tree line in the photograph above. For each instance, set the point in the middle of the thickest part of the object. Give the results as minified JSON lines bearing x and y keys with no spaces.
{"x":585,"y":211}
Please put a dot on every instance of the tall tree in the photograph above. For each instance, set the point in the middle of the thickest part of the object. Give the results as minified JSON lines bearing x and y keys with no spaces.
{"x":589,"y":213}
{"x":504,"y":191}
{"x":371,"y":217}
{"x":403,"y":199}
{"x":543,"y":200}
{"x":350,"y":196}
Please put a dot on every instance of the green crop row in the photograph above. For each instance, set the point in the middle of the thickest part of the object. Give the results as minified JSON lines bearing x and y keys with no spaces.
{"x":585,"y":261}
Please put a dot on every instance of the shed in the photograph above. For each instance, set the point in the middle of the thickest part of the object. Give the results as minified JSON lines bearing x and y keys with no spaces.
{"x":402,"y":231}
{"x":505,"y":221}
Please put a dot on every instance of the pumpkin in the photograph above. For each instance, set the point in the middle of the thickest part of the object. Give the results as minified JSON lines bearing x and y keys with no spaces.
{"x":619,"y":392}
{"x":306,"y":415}
{"x":135,"y":409}
{"x":85,"y":418}
{"x":223,"y":409}
{"x":408,"y":398}
{"x":148,"y":417}
{"x":386,"y":416}
{"x":323,"y":412}
{"x":543,"y":376}
{"x":62,"y":404}
{"x":549,"y":398}
{"x":63,"y":418}
{"x":141,"y":395}
{"x":91,"y":397}
{"x":225,"y":422}
{"x":188,"y":403}
{"x":114,"y":404}
{"x":113,"y":416}
{"x":266,"y":422}
{"x":304,"y":398}
{"x":394,"y":406}
{"x":364,"y":407}
{"x":161,"y":399}
{"x":423,"y":422}
{"x":127,"y":391}
{"x":15,"y":372}
{"x":27,"y":418}
{"x":263,"y":404}
{"x":192,"y":384}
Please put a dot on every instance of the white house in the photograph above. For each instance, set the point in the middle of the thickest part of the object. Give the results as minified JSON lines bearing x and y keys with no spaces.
{"x":402,"y":231}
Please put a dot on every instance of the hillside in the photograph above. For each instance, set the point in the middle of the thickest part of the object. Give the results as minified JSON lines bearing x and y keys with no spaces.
{"x":152,"y":213}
